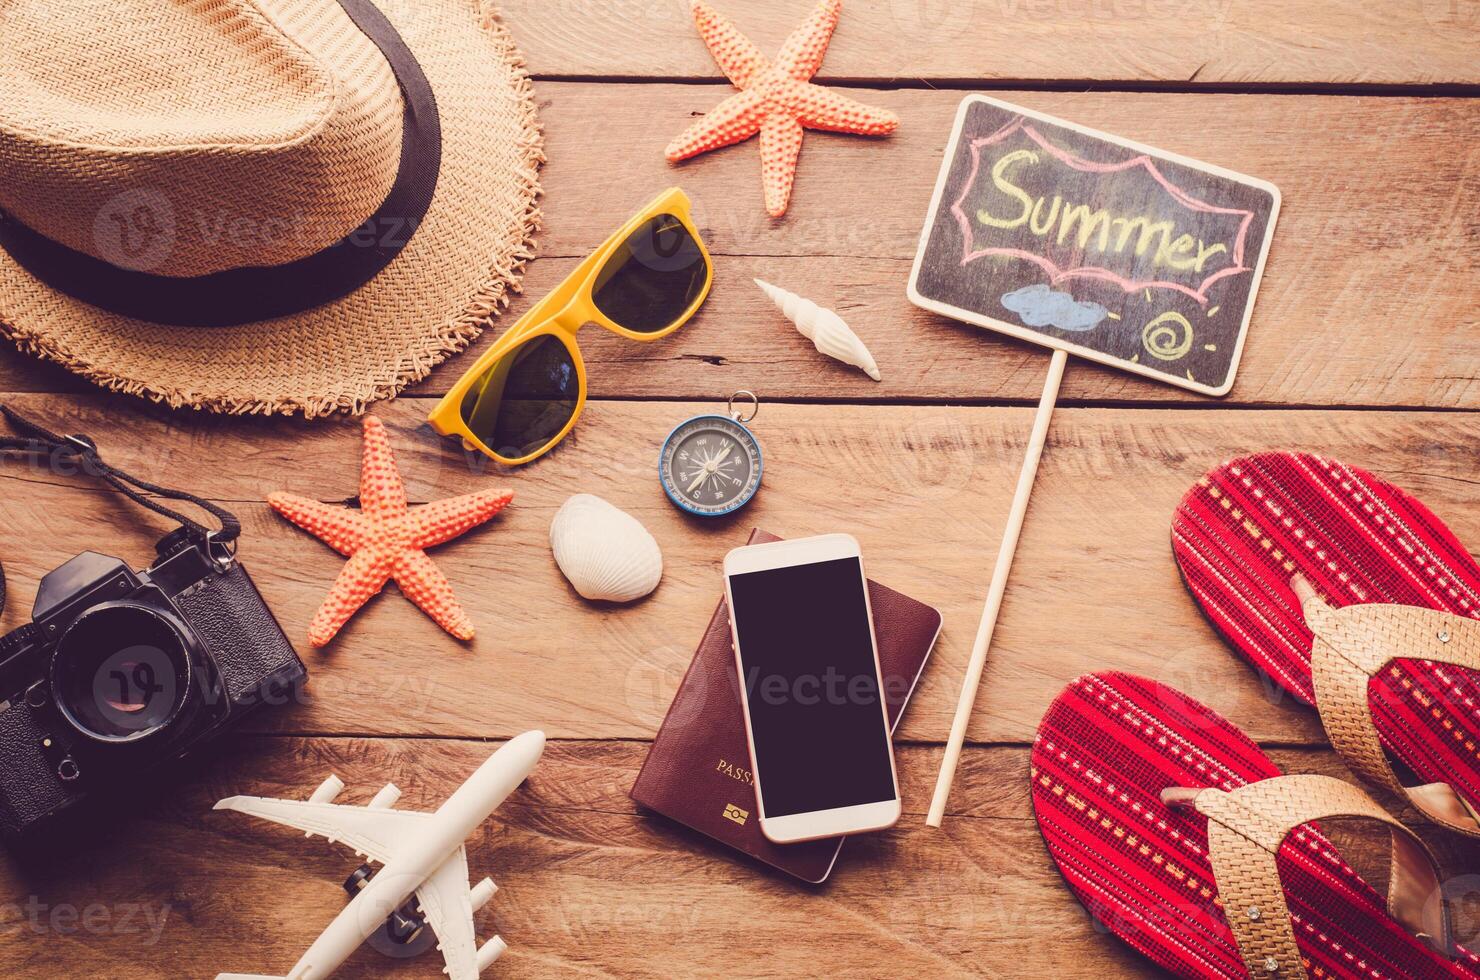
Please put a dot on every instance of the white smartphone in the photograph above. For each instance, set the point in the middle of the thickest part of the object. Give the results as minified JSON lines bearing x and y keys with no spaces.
{"x":815,"y":716}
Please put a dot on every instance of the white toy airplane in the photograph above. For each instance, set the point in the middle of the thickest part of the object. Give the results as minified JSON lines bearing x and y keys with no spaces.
{"x":418,"y":852}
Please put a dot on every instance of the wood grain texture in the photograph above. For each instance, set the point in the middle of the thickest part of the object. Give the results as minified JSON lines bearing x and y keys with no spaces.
{"x":1366,"y":304}
{"x":588,"y":884}
{"x":925,"y":489}
{"x":1366,"y":300}
{"x":1260,"y":42}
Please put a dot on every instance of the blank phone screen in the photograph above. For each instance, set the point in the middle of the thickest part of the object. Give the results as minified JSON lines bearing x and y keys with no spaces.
{"x":812,"y":687}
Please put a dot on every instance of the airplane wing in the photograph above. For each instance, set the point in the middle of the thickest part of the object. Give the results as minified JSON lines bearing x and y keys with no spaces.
{"x":446,"y":901}
{"x":376,"y":834}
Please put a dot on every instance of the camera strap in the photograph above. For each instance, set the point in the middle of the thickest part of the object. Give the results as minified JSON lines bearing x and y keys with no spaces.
{"x":35,"y":442}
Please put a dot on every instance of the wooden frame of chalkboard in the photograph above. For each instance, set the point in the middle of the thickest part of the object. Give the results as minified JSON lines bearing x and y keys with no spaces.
{"x":1103,"y":247}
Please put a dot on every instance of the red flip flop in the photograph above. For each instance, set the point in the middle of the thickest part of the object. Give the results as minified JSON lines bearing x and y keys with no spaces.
{"x":1269,"y":543}
{"x":1182,"y":838}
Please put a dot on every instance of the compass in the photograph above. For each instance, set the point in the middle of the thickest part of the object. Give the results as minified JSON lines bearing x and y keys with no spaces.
{"x":711,"y":464}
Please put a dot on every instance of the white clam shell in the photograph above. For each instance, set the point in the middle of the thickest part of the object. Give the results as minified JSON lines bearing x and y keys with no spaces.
{"x":606,"y":553}
{"x":824,"y":328}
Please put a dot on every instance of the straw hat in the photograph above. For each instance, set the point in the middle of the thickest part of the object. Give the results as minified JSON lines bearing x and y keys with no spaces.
{"x":272,"y":206}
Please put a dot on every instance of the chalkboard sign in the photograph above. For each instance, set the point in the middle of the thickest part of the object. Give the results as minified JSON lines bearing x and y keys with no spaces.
{"x":1080,"y":240}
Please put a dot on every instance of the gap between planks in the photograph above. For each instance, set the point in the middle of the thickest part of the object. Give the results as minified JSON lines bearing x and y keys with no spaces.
{"x":919,"y":401}
{"x":1456,"y":90}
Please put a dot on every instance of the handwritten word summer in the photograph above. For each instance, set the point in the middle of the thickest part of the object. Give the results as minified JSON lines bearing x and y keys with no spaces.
{"x":1097,"y":228}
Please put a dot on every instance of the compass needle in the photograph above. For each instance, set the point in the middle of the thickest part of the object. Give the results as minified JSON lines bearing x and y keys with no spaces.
{"x":711,"y":464}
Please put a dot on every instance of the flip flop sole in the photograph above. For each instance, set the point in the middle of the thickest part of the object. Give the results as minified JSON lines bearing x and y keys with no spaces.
{"x":1106,"y":748}
{"x":1251,"y":524}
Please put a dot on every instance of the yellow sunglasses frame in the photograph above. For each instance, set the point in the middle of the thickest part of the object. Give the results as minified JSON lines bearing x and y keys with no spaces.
{"x":561,"y":314}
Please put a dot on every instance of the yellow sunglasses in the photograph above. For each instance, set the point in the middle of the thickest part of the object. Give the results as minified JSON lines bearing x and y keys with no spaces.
{"x":524,"y":394}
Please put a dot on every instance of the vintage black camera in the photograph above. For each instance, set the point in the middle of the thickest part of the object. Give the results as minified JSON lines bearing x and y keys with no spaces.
{"x":120,"y":671}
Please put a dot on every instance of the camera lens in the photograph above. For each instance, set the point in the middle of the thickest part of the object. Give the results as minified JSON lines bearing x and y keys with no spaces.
{"x":120,"y":672}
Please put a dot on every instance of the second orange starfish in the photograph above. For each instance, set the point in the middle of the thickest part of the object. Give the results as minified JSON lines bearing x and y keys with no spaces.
{"x":385,"y":539}
{"x":775,"y":100}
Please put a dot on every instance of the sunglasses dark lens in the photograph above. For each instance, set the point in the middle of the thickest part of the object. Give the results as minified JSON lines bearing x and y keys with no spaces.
{"x":521,"y":403}
{"x":653,"y":277}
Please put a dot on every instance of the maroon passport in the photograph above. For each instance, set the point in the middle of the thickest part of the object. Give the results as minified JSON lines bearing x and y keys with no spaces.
{"x":698,"y":769}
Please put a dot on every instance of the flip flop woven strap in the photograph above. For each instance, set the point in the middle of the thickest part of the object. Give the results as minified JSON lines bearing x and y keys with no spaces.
{"x":1246,"y":827}
{"x":1351,"y":646}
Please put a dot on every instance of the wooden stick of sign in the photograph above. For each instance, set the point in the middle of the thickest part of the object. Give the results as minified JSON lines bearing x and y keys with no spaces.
{"x":998,"y":588}
{"x":1092,"y":245}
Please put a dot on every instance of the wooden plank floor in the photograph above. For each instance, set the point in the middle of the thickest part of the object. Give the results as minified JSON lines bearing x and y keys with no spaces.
{"x":1364,"y":346}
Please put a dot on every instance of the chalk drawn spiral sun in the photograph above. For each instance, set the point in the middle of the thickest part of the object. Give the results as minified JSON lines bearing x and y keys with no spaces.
{"x":1168,"y":337}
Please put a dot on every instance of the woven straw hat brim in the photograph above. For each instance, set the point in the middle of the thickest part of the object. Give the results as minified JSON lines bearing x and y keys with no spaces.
{"x":438,"y":294}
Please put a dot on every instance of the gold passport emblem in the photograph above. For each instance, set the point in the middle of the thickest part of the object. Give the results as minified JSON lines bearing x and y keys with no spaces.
{"x":735,"y":814}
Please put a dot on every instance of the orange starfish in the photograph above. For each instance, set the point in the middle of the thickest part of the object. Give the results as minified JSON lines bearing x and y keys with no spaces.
{"x":384,"y":540}
{"x":775,"y":100}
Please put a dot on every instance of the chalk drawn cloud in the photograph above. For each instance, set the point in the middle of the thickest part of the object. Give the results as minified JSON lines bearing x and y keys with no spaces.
{"x":1040,"y":306}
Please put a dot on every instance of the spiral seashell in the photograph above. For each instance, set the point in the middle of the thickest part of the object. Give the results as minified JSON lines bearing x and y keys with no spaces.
{"x":606,"y":553}
{"x":824,"y":328}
